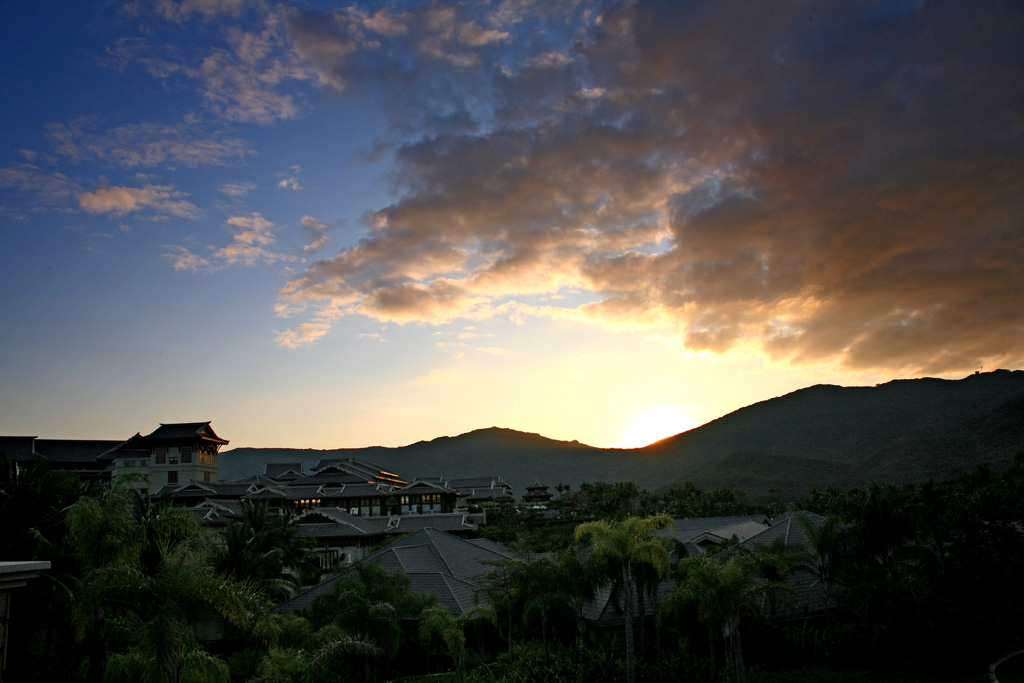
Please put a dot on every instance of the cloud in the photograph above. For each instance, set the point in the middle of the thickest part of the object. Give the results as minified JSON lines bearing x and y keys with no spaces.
{"x":252,"y":237}
{"x":237,"y":190}
{"x":290,"y":179}
{"x":51,"y":189}
{"x":120,"y":200}
{"x":305,"y":334}
{"x":253,"y":234}
{"x":183,"y":259}
{"x":252,"y":79}
{"x":316,"y":233}
{"x":248,"y":81}
{"x":183,"y":10}
{"x":839,"y":183}
{"x":145,"y":144}
{"x":392,"y":49}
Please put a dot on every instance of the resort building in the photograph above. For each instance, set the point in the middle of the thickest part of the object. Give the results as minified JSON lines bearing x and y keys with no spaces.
{"x":172,"y":454}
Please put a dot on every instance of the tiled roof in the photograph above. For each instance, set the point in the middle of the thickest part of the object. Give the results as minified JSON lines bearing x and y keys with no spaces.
{"x":421,"y":484}
{"x":455,"y":594}
{"x":17,"y":447}
{"x":485,"y":494}
{"x":435,"y":561}
{"x":362,"y":490}
{"x":805,"y":596}
{"x":74,"y":450}
{"x":488,"y":544}
{"x":330,"y":476}
{"x":685,"y":529}
{"x":257,"y":479}
{"x":477,"y":483}
{"x":268,"y":493}
{"x":362,"y":468}
{"x":217,"y":513}
{"x":275,"y":470}
{"x":450,"y":522}
{"x":194,"y":489}
{"x":330,"y":530}
{"x":184,"y":430}
{"x":340,"y":518}
{"x":65,"y":451}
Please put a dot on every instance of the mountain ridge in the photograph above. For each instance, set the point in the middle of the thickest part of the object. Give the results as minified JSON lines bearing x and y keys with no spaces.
{"x":899,"y":431}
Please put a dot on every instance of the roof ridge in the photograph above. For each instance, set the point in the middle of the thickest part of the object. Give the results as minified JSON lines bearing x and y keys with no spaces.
{"x":436,"y":550}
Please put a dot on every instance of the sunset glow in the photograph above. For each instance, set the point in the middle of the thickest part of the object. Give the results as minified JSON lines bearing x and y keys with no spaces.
{"x":653,"y":424}
{"x":351,"y":224}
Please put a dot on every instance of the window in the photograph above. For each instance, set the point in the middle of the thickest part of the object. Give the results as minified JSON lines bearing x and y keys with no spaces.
{"x":172,"y":477}
{"x":173,"y":460}
{"x":161,"y":455}
{"x":186,"y":454}
{"x":206,"y":476}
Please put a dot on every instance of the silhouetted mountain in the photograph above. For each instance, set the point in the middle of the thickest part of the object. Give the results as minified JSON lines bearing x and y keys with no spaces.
{"x":900,"y":431}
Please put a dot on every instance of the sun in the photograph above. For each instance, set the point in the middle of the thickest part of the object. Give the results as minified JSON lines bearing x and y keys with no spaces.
{"x":655,"y":423}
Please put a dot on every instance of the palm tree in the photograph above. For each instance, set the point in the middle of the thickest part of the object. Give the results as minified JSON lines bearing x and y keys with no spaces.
{"x":263,"y":547}
{"x":148,"y":585}
{"x":722,"y":594}
{"x":502,"y":587}
{"x":541,"y":589}
{"x":438,"y":624}
{"x":823,"y":559}
{"x":627,"y":546}
{"x":577,"y":579}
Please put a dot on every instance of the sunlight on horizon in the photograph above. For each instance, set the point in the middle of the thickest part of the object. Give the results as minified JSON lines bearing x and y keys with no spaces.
{"x":653,"y":424}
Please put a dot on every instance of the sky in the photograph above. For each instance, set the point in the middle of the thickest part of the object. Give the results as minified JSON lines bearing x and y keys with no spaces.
{"x":334,"y":225}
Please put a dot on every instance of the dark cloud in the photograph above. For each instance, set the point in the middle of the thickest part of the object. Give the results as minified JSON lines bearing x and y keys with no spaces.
{"x":825,"y":181}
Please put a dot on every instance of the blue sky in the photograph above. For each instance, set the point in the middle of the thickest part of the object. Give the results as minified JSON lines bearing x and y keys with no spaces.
{"x":326,"y":225}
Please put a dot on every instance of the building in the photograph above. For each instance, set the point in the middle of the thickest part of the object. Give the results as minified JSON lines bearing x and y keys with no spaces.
{"x":170,"y":455}
{"x":537,"y":493}
{"x":357,"y":487}
{"x":435,"y":562}
{"x":76,"y":456}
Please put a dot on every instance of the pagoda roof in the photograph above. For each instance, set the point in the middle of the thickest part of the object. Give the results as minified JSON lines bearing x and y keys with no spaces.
{"x":186,"y":430}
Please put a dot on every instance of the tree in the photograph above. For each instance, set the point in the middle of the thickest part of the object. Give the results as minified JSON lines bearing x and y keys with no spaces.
{"x":263,"y":547}
{"x":370,"y":604}
{"x":502,"y":587}
{"x":577,"y":579}
{"x":542,"y":593}
{"x":147,"y":586}
{"x":437,"y":624}
{"x":721,"y":593}
{"x":627,"y":546}
{"x":823,"y":559}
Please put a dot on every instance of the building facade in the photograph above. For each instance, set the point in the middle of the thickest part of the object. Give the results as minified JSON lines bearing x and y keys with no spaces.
{"x":172,"y":454}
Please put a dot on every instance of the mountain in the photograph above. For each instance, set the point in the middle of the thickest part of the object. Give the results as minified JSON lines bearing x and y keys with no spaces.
{"x":824,"y":435}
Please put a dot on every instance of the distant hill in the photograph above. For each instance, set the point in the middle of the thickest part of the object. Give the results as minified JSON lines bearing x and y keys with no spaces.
{"x":900,"y":431}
